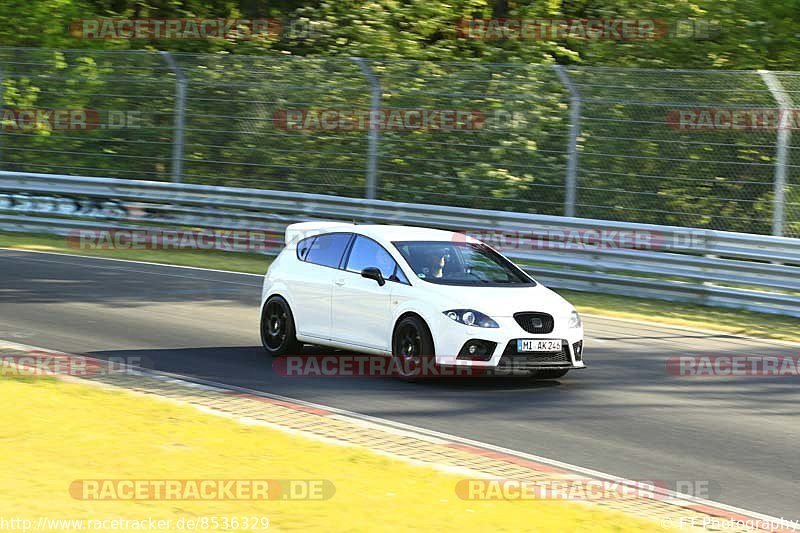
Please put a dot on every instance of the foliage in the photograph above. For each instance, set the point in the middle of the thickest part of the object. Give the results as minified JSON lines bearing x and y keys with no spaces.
{"x":632,"y":167}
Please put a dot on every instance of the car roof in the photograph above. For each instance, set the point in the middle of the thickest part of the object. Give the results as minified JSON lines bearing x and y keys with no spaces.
{"x":404,"y":233}
{"x":380,"y":232}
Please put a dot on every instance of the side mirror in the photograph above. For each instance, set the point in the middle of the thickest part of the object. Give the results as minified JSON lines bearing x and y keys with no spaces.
{"x":373,"y":273}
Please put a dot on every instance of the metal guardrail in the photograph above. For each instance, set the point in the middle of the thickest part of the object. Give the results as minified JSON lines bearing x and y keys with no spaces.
{"x":691,"y":148}
{"x":709,"y":267}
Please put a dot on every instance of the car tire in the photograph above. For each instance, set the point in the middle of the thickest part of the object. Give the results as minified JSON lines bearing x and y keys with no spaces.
{"x":550,"y":373}
{"x":277,"y":328}
{"x":411,"y":345}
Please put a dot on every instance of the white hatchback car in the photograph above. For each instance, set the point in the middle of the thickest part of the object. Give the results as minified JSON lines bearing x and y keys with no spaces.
{"x":408,"y":293}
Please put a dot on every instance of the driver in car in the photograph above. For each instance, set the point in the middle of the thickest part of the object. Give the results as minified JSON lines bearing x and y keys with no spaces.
{"x":437,"y":269}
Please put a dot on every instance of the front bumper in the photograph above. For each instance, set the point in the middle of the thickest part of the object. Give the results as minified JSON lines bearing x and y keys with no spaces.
{"x":451,"y":337}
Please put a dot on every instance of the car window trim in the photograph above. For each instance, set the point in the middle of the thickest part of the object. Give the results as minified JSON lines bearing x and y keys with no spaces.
{"x":346,"y":253}
{"x":297,"y":248}
{"x":398,"y":269}
{"x":396,"y":263}
{"x":346,"y":248}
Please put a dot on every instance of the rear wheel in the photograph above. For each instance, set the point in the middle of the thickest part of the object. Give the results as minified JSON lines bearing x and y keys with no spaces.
{"x":412,"y":346}
{"x":550,"y":373}
{"x":277,"y":328}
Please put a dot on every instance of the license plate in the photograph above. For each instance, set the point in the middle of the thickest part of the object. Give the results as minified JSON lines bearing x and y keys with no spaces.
{"x":539,"y":345}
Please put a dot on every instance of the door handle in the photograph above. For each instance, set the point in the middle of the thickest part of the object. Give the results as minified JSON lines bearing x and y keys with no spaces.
{"x":339,"y":282}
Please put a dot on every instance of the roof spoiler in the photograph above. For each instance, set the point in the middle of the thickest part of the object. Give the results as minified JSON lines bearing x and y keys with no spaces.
{"x":296,"y":232}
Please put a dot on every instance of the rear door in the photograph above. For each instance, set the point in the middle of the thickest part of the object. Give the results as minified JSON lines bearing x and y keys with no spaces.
{"x":312,"y":285}
{"x":362,"y":312}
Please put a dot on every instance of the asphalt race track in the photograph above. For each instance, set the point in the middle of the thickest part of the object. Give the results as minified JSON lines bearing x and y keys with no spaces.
{"x":624,"y":415}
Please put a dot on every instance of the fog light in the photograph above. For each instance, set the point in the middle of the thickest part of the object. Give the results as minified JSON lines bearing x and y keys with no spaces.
{"x":477,"y":350}
{"x":577,"y":348}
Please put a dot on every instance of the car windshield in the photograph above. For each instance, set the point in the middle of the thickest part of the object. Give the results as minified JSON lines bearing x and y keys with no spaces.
{"x":460,"y":263}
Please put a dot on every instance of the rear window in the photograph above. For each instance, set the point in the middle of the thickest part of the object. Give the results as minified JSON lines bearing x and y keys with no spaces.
{"x":304,"y":246}
{"x":327,"y":250}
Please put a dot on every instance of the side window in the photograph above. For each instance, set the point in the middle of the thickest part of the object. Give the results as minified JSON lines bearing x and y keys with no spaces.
{"x":304,"y":246}
{"x":368,"y":253}
{"x":399,"y":276}
{"x":327,"y":249}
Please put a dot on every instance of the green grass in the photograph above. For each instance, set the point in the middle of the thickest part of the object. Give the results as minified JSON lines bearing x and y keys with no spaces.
{"x":655,"y":311}
{"x":743,"y":322}
{"x":48,"y":426}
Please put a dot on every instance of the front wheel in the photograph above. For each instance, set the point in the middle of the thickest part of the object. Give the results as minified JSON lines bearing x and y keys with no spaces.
{"x":277,"y":328}
{"x":412,"y":345}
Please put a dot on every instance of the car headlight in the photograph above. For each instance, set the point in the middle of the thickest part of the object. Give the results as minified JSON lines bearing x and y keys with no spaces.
{"x":575,"y":320}
{"x":470,"y":317}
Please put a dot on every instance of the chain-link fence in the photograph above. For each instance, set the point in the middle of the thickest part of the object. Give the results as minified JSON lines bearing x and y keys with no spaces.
{"x":708,"y":149}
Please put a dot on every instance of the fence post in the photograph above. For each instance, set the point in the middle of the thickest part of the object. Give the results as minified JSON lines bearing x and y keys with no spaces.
{"x":180,"y":110}
{"x":2,"y":105}
{"x":374,"y":132}
{"x":781,"y":148}
{"x":571,"y":184}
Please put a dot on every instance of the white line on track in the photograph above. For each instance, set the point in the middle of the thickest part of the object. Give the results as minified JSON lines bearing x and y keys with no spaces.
{"x":233,"y":272}
{"x":132,"y":261}
{"x":145,"y":271}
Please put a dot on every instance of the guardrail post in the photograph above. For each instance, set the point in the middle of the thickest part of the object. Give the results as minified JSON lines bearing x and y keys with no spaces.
{"x":2,"y":105}
{"x":374,"y":131}
{"x":571,"y":183}
{"x":180,"y":110}
{"x":784,"y":102}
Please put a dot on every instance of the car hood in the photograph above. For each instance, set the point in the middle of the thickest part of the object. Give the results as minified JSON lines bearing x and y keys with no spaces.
{"x":502,"y":301}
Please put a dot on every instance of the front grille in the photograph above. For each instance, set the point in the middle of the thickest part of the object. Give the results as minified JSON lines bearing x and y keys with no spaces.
{"x":536,"y":323}
{"x":525,"y":360}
